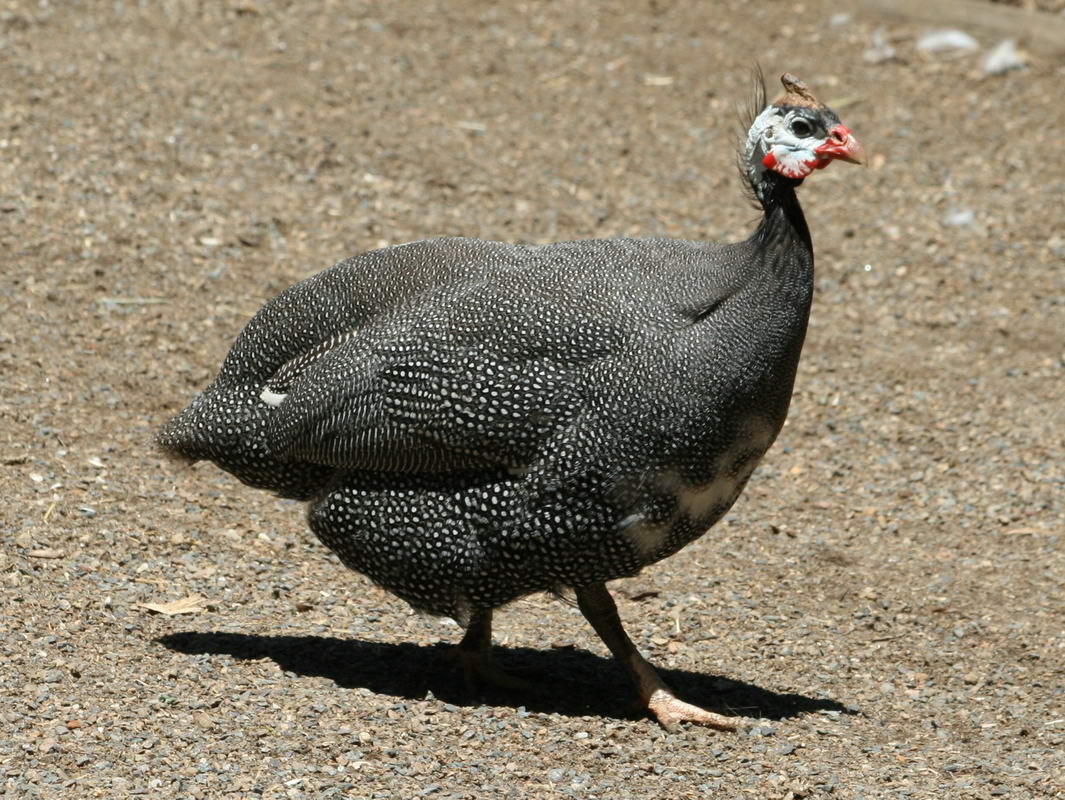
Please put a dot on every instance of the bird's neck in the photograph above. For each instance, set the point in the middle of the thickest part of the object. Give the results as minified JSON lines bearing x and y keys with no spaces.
{"x":783,"y":226}
{"x":781,"y":263}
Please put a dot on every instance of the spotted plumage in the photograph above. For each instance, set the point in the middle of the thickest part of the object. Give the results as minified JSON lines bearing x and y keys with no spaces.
{"x":474,"y":421}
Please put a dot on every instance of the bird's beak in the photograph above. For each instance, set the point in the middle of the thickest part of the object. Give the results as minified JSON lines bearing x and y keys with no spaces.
{"x":843,"y":145}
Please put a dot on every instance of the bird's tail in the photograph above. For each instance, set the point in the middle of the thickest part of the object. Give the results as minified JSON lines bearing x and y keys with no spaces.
{"x":227,"y":425}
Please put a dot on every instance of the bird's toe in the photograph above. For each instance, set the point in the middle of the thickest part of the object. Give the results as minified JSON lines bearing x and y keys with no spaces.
{"x":670,"y":711}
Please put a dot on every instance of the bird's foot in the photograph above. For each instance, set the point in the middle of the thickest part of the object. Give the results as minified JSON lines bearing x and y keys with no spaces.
{"x":670,"y":711}
{"x":599,"y":609}
{"x":667,"y":708}
{"x":478,"y":669}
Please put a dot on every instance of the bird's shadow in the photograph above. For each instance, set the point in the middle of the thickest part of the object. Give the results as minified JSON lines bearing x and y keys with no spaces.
{"x":569,"y":681}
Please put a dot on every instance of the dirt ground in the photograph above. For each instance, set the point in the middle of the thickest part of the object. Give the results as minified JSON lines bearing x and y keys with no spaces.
{"x":887,"y":597}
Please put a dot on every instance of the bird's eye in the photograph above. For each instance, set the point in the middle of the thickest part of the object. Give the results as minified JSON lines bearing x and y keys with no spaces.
{"x":801,"y":128}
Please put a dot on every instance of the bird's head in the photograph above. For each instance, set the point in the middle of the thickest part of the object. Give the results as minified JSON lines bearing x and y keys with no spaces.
{"x":797,"y":133}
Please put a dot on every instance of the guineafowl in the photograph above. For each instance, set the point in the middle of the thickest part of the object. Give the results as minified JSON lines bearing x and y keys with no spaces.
{"x":473,"y":421}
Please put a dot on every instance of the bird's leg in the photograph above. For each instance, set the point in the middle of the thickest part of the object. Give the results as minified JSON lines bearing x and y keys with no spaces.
{"x":598,"y":608}
{"x":474,"y":655}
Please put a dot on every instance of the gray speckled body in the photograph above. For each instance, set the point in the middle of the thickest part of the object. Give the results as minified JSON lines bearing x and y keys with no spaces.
{"x":473,"y":421}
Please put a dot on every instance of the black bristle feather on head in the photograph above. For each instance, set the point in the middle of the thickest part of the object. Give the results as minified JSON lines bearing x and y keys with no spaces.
{"x":746,"y":115}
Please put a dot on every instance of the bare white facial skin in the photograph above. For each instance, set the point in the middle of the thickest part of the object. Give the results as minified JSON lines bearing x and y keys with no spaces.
{"x":772,"y":142}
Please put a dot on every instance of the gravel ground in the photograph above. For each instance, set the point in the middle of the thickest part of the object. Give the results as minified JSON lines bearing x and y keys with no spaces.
{"x":887,"y":597}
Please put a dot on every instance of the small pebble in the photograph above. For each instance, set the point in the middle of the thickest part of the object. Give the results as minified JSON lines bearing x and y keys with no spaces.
{"x":959,"y":217}
{"x":1003,"y":57}
{"x":946,"y":41}
{"x":879,"y":49}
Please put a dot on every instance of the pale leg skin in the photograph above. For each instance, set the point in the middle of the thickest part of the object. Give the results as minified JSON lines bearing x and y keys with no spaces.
{"x":599,"y":609}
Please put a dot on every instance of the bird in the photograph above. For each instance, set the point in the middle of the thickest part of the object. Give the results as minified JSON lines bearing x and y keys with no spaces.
{"x":471,"y":422}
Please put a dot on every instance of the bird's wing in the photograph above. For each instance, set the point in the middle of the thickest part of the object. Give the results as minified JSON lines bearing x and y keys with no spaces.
{"x":474,"y":379}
